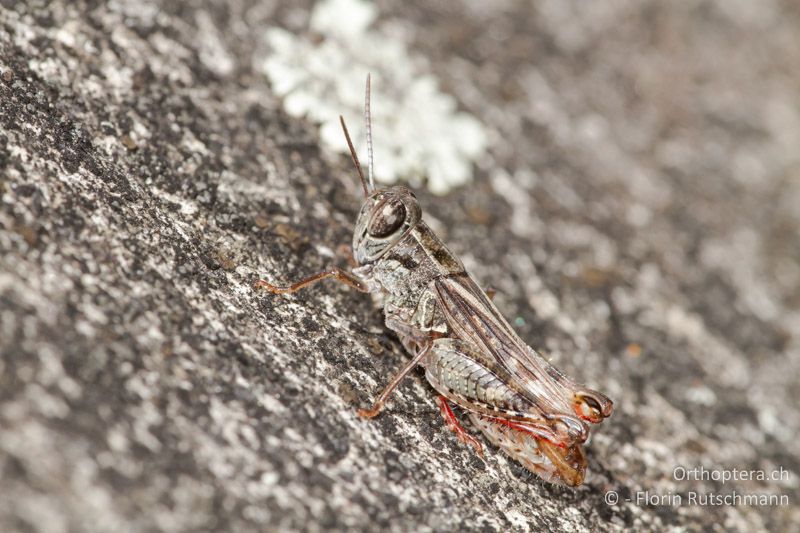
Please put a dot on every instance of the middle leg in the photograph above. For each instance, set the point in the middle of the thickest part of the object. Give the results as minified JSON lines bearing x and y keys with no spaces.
{"x":377,"y":407}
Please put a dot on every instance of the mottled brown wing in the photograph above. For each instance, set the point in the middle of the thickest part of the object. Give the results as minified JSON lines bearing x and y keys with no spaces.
{"x":474,"y":318}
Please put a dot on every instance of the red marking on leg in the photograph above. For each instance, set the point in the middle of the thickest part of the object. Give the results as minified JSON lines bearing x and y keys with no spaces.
{"x":452,"y":422}
{"x":522,"y":428}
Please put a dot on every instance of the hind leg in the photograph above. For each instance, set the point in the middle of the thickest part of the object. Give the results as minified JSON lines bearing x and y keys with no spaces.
{"x":452,"y":422}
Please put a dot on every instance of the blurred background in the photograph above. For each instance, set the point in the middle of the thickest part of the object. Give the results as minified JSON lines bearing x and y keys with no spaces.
{"x":625,"y":174}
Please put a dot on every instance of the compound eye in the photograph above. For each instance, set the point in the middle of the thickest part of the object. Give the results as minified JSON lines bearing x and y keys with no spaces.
{"x":387,"y":219}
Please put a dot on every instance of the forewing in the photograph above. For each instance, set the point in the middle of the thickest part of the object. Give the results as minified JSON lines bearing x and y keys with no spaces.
{"x":474,"y":318}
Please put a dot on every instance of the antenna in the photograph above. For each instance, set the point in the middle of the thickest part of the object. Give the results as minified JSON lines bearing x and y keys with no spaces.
{"x":368,"y":120}
{"x":354,"y":157}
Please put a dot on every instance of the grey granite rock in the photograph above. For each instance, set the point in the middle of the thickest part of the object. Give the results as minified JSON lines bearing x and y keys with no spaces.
{"x":638,"y":212}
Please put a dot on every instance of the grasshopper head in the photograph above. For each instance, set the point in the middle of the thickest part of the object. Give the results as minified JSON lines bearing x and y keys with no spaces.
{"x":386,"y":216}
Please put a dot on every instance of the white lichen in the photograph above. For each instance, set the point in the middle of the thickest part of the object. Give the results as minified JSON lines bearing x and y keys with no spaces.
{"x":419,"y":134}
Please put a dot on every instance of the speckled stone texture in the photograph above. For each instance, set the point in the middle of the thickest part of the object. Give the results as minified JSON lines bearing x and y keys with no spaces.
{"x":638,"y":212}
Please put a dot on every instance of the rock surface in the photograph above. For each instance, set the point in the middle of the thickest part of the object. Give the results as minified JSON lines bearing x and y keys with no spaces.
{"x":638,"y":212}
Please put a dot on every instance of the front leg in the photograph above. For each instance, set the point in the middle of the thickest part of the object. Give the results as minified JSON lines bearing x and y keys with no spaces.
{"x":341,"y":275}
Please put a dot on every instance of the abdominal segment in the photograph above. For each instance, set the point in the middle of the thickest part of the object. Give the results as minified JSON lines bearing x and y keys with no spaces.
{"x":466,"y":377}
{"x":564,"y":465}
{"x":455,"y":370}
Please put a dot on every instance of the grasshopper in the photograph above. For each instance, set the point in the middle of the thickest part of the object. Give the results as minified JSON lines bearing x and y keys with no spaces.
{"x":471,"y":355}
